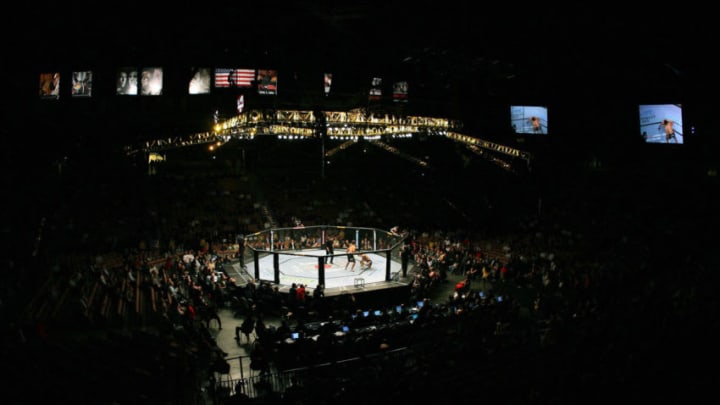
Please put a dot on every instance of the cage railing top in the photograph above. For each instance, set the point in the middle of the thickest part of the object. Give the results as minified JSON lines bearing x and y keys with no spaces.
{"x":302,"y":240}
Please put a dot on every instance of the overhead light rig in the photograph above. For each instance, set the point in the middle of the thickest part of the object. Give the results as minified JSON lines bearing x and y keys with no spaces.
{"x":345,"y":126}
{"x":490,"y":146}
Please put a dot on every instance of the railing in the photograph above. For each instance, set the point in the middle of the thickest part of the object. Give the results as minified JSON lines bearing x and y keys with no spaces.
{"x":255,"y":384}
{"x":308,"y":242}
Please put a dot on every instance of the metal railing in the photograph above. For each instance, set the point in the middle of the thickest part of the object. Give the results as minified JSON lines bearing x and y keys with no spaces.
{"x":255,"y":383}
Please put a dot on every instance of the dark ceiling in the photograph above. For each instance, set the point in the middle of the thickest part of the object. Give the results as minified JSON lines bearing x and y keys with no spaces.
{"x":449,"y":42}
{"x":459,"y":58}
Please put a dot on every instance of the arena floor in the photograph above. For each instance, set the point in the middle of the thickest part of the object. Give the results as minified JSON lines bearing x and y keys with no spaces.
{"x":301,"y":267}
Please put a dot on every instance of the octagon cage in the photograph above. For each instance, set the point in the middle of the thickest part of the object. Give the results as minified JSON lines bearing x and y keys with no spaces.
{"x":297,"y":255}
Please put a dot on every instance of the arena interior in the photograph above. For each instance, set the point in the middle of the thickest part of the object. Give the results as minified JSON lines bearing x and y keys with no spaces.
{"x":570,"y":263}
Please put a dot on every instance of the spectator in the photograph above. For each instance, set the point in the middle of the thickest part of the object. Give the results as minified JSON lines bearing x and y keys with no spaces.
{"x":246,"y":328}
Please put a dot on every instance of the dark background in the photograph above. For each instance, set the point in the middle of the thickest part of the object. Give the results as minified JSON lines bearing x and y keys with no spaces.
{"x":591,"y":66}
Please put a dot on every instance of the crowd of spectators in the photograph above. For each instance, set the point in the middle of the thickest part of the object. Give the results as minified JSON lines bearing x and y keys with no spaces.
{"x":605,"y":291}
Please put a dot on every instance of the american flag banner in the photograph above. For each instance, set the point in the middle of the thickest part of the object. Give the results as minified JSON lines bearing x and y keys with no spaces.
{"x":225,"y":77}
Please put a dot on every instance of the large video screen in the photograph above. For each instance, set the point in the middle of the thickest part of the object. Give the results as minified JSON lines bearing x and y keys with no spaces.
{"x":50,"y":85}
{"x":400,"y":92}
{"x":127,"y":81}
{"x":151,"y":81}
{"x":200,"y":81}
{"x":82,"y":83}
{"x":661,"y":123}
{"x":327,"y":82}
{"x":375,"y":89}
{"x":526,"y":119}
{"x":267,"y":81}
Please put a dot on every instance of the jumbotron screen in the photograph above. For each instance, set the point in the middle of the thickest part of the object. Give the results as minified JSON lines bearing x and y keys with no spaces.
{"x":661,"y":123}
{"x":526,"y":119}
